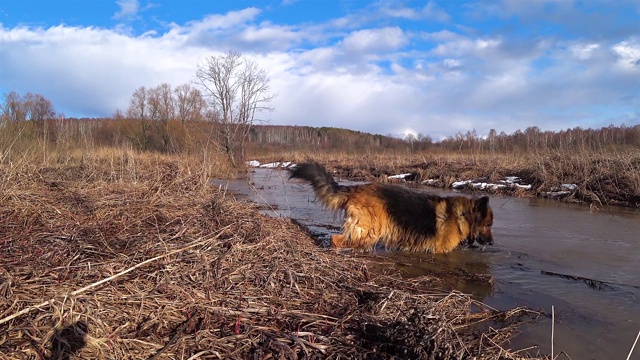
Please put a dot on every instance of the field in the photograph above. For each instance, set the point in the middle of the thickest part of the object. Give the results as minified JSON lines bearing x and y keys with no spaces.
{"x":119,"y":254}
{"x":110,"y":250}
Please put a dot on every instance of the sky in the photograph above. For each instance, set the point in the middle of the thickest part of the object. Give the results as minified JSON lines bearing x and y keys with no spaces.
{"x":435,"y":68}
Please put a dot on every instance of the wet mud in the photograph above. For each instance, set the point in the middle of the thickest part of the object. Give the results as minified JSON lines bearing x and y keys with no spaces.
{"x":583,"y":263}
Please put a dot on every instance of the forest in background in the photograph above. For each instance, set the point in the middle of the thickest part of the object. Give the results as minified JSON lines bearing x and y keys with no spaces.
{"x":176,"y":136}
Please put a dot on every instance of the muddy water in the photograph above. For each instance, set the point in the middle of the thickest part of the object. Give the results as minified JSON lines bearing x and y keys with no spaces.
{"x":586,"y":264}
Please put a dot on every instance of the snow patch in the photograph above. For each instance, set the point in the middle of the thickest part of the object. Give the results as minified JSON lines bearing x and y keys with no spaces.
{"x":430,"y":182}
{"x":399,"y":176}
{"x":510,"y":182}
{"x":569,"y":187}
{"x":273,"y":165}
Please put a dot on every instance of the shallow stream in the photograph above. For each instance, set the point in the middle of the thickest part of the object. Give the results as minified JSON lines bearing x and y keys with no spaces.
{"x":584,"y":263}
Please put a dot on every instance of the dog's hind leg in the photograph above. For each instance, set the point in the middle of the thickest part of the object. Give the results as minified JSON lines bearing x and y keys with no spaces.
{"x":359,"y":237}
{"x":337,"y":240}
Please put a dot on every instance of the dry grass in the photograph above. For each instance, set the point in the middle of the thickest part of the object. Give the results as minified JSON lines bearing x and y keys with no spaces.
{"x":199,"y":275}
{"x":609,"y":177}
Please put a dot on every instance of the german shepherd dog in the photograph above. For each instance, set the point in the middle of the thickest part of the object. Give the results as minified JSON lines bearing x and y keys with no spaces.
{"x":398,"y":217}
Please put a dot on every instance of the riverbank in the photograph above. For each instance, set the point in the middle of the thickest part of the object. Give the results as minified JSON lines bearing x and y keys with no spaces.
{"x":121,"y":255}
{"x":596,"y":179}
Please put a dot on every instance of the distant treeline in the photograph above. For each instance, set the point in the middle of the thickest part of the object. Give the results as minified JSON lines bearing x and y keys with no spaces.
{"x":532,"y":138}
{"x":176,"y":136}
{"x":177,"y":120}
{"x":291,"y":137}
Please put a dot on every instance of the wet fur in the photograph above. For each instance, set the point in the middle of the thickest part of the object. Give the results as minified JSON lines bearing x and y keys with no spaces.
{"x":398,"y":217}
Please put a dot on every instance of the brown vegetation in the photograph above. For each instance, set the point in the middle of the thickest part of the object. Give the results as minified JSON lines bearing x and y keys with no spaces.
{"x":603,"y":163}
{"x":116,"y":254}
{"x":602,"y":178}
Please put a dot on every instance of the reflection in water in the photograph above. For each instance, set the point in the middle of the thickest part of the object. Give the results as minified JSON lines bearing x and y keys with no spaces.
{"x":462,"y":271}
{"x":533,"y":239}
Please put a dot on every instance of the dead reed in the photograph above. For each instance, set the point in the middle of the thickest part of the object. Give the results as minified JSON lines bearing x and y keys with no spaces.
{"x":606,"y":177}
{"x":117,"y":255}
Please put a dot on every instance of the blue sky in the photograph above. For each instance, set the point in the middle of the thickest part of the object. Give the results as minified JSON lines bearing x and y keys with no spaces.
{"x":388,"y":67}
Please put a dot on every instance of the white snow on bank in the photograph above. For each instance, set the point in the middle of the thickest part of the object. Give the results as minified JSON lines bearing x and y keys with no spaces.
{"x":563,"y":191}
{"x":400,"y":176}
{"x":256,"y":163}
{"x":570,"y":187}
{"x":510,"y":182}
{"x":460,"y":184}
{"x":430,"y":182}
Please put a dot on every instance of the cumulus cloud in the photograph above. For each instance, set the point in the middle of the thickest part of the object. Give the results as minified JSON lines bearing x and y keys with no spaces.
{"x":431,"y":11}
{"x":128,"y":8}
{"x":374,"y":40}
{"x":584,"y":51}
{"x":89,"y":71}
{"x":361,"y":75}
{"x":628,"y":53}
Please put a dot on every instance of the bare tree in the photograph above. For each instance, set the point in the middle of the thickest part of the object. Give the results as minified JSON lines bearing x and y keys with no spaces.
{"x":137,"y":110}
{"x":39,"y":108}
{"x":237,"y":89}
{"x":189,"y":102}
{"x":411,"y":140}
{"x":13,"y":109}
{"x":161,"y":105}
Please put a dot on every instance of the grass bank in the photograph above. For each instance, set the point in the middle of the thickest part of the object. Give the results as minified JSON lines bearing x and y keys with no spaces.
{"x":608,"y":177}
{"x":115,"y":254}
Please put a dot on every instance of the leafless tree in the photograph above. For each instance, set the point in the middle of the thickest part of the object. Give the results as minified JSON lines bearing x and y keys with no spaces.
{"x":39,"y":108}
{"x":189,"y":103}
{"x":138,"y":109}
{"x":161,"y":108}
{"x":13,"y":108}
{"x":237,"y":89}
{"x":39,"y":111}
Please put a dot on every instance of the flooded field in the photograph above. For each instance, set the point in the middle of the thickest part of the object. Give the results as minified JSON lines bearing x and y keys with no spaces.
{"x":586,"y":264}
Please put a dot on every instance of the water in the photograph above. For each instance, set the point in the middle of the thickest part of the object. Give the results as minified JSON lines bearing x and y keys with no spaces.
{"x":584,"y":263}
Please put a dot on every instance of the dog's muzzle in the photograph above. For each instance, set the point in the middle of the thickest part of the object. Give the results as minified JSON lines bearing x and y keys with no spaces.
{"x":484,"y":240}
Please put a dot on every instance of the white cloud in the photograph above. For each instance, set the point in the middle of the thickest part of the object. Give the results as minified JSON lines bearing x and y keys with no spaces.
{"x":628,"y":53}
{"x":374,"y":40}
{"x":92,"y":71}
{"x":431,"y":11}
{"x":268,"y":36}
{"x":584,"y":51}
{"x":452,"y":63}
{"x":128,"y":8}
{"x":465,"y":46}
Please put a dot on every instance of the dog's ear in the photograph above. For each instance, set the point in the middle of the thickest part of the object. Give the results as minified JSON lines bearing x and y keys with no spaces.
{"x":482,"y":204}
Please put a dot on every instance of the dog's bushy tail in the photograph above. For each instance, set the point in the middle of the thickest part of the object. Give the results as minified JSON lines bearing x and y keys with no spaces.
{"x":332,"y":194}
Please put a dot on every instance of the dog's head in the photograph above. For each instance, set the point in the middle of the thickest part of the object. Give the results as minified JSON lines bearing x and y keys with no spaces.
{"x":480,"y":221}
